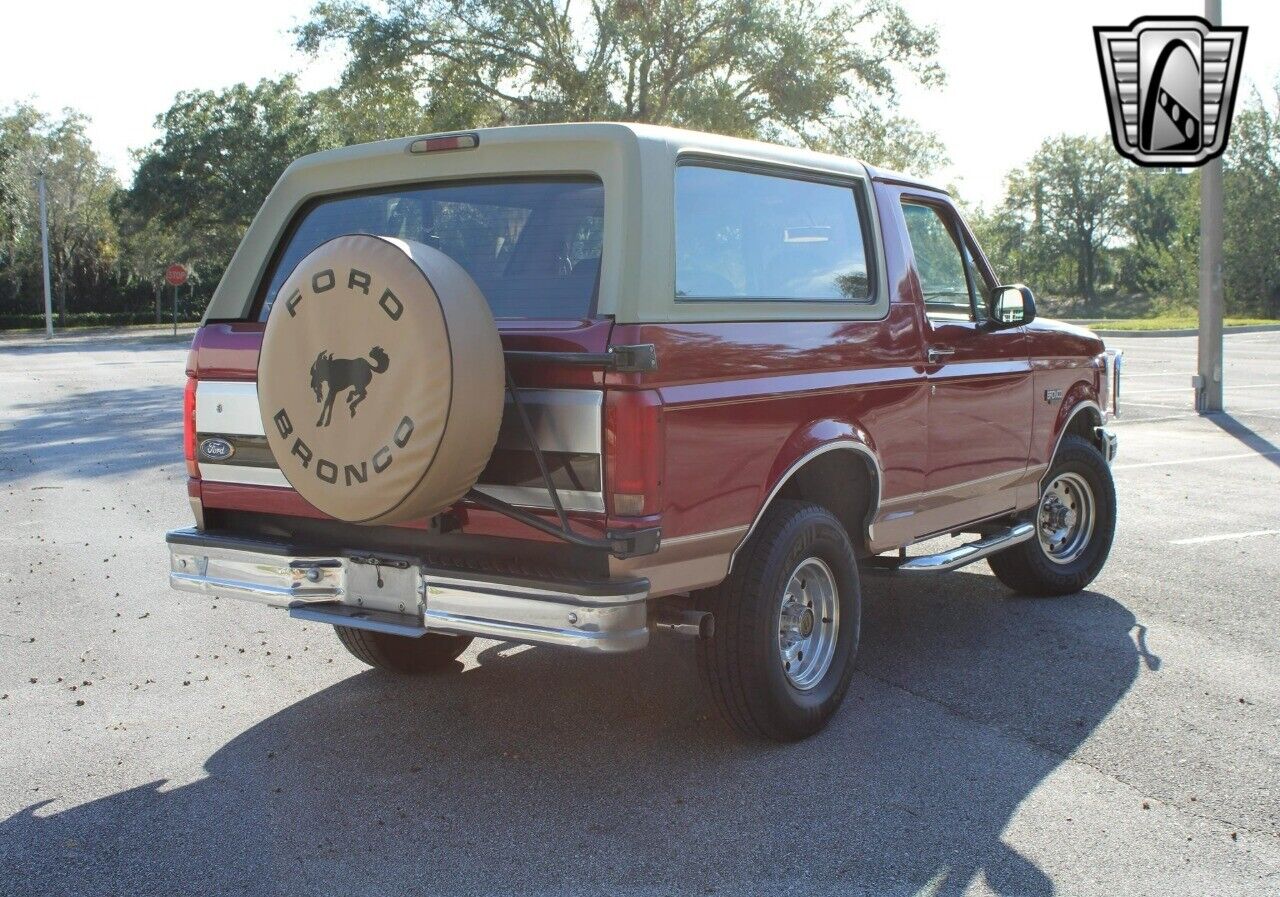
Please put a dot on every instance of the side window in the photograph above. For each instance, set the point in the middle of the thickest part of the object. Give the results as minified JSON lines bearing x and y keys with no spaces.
{"x":746,"y":235}
{"x":946,"y":270}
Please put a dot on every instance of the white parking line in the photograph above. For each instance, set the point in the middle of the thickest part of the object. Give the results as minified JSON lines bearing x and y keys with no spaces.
{"x":1151,"y":392}
{"x":1226,"y":537}
{"x":1154,"y":405}
{"x":1195,"y":460}
{"x":1115,"y":422}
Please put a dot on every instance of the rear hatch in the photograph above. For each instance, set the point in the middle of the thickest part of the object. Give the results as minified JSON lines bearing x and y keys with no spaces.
{"x":533,"y":246}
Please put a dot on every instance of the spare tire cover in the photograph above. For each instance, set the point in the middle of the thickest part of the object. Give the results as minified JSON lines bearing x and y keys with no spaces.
{"x":380,"y":381}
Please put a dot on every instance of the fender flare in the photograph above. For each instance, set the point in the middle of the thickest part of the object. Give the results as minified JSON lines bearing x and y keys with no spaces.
{"x":1070,"y":411}
{"x":850,"y":439}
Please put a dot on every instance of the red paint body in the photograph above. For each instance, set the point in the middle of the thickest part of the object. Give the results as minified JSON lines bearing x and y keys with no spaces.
{"x":742,"y":403}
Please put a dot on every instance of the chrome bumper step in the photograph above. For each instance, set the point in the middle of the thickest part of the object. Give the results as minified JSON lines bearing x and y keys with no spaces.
{"x":359,"y":618}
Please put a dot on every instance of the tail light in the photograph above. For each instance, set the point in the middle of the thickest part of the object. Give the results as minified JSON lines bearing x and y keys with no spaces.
{"x":633,"y":452}
{"x":189,"y":426}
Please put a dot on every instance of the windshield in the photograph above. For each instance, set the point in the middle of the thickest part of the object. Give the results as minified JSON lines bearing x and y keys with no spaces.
{"x":532,"y":246}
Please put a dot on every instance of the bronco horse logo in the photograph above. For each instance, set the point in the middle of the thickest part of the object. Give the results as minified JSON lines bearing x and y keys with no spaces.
{"x":338,"y":374}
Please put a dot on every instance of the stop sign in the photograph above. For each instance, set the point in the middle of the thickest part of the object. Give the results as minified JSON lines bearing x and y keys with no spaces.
{"x":175,"y":275}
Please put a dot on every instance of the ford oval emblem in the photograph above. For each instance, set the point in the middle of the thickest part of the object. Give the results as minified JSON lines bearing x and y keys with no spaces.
{"x":216,"y":449}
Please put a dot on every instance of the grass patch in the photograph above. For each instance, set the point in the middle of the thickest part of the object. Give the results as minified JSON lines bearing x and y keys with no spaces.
{"x":27,"y":322}
{"x":1171,"y":322}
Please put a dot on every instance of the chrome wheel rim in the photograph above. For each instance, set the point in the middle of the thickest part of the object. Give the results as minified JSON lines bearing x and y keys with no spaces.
{"x":808,"y":623}
{"x":1065,"y":519}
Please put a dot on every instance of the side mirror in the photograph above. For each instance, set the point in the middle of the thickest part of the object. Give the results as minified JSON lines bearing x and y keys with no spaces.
{"x":1012,"y":306}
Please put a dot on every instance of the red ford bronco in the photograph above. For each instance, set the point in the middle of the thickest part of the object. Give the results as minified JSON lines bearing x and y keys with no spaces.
{"x":577,"y":385}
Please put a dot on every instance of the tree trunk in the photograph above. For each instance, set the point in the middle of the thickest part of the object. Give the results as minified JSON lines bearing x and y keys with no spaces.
{"x":1091,"y":296}
{"x":1083,"y":280}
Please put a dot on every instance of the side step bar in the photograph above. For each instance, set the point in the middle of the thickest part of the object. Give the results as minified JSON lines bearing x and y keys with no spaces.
{"x":955,"y":558}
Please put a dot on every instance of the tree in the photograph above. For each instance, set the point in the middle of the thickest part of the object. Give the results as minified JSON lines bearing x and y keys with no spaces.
{"x":20,"y":139}
{"x":83,"y":242}
{"x":1070,"y":200}
{"x":1251,"y":194}
{"x":798,"y":71}
{"x":1160,"y":253}
{"x":207,"y":174}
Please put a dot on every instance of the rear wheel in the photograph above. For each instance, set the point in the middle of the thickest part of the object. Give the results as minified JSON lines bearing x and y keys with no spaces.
{"x":401,"y":654}
{"x":1075,"y":524}
{"x":786,"y":625}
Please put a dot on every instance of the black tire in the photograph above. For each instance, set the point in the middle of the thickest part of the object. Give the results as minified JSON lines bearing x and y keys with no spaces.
{"x":401,"y":654}
{"x":741,"y":663}
{"x":1027,"y":568}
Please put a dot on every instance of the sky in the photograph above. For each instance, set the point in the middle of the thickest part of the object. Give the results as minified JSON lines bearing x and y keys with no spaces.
{"x":1017,"y":71}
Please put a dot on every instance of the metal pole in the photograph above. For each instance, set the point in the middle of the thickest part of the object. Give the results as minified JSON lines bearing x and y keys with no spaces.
{"x":1208,"y":381}
{"x":44,"y":251}
{"x":175,"y":310}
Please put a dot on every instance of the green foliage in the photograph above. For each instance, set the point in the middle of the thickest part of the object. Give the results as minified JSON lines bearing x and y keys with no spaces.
{"x":200,"y":183}
{"x":186,"y":314}
{"x":1251,"y":176}
{"x":795,"y":71}
{"x":1160,"y":253}
{"x":83,"y":240}
{"x":1077,"y":221}
{"x":1091,"y":233}
{"x":1060,"y":212}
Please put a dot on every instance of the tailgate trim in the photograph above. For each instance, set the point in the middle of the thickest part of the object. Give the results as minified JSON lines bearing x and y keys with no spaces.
{"x":563,"y":420}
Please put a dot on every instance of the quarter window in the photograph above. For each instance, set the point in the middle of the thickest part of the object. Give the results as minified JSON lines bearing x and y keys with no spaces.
{"x":747,"y":235}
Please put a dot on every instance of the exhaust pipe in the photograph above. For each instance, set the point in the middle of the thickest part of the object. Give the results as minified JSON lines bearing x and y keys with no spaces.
{"x":688,"y":623}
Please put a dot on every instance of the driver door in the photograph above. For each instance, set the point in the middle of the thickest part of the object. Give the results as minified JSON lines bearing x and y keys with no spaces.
{"x":980,"y":385}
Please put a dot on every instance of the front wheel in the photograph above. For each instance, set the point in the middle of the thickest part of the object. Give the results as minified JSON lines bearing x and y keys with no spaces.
{"x":1075,"y":524}
{"x":786,"y":625}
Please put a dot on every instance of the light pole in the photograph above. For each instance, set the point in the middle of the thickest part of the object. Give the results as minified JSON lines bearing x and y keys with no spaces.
{"x":44,"y":251}
{"x":1208,"y":380}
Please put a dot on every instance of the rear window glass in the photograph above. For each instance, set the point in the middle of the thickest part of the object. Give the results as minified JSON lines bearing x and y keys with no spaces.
{"x":746,"y":235}
{"x":532,"y":246}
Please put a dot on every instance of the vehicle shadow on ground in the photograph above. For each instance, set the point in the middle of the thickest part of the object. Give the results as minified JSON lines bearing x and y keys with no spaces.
{"x":99,"y":433}
{"x":546,"y":772}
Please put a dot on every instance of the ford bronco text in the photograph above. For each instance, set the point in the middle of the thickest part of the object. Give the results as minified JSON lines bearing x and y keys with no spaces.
{"x":577,"y":385}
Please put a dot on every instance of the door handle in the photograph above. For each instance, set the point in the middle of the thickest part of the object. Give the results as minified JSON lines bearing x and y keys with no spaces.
{"x":936,"y":354}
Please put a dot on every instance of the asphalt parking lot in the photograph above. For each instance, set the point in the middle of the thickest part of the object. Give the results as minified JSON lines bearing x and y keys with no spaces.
{"x":1122,"y":741}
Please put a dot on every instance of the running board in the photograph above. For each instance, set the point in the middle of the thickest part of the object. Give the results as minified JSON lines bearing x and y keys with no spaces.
{"x":954,"y":558}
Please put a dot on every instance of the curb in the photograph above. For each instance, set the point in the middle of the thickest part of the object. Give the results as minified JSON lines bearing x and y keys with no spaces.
{"x":25,"y":338}
{"x":1227,"y":331}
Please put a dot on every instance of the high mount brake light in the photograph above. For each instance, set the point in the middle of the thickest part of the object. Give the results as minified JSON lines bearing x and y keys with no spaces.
{"x":189,"y":426}
{"x":440,"y":144}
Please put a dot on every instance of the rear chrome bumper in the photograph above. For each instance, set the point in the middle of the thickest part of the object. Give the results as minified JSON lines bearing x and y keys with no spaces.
{"x":406,"y":596}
